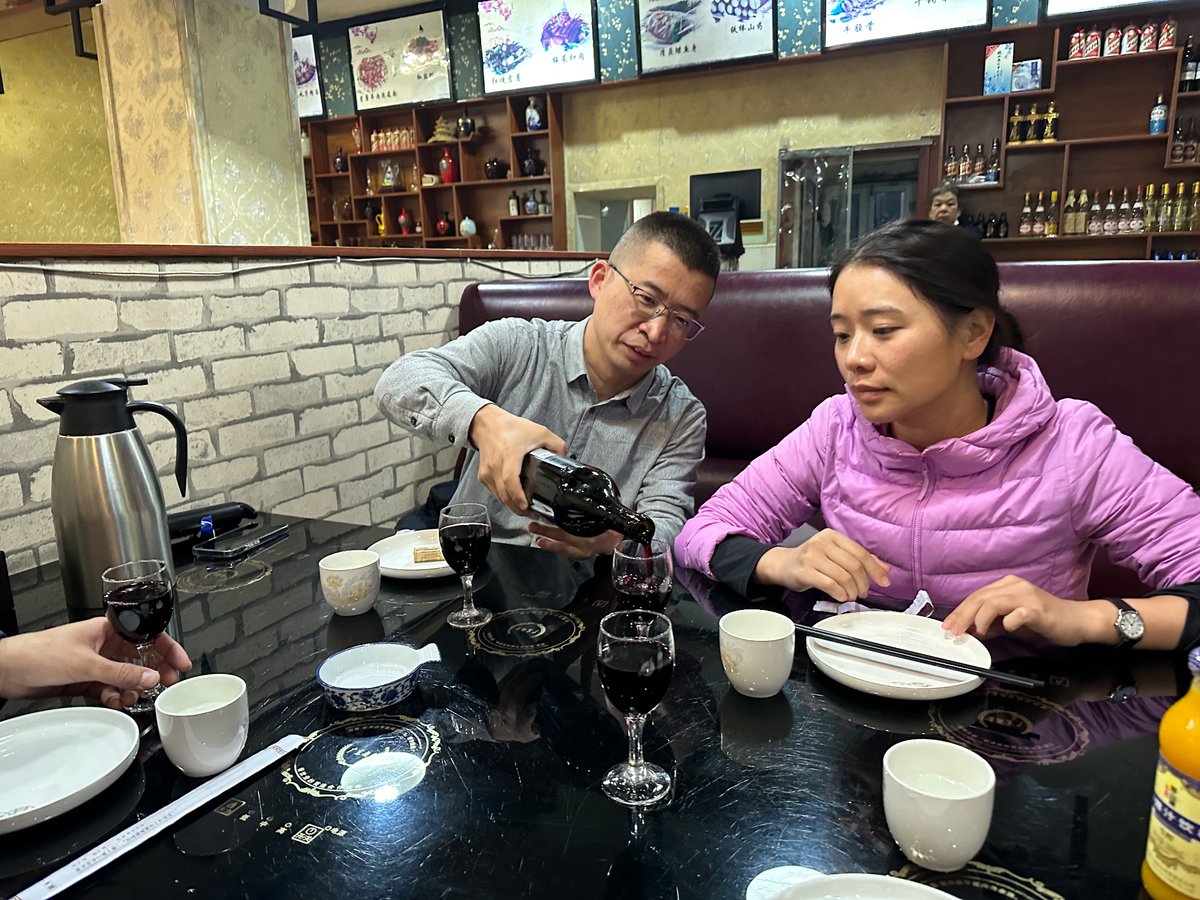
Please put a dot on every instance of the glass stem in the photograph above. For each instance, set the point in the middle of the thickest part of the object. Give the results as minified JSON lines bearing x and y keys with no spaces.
{"x":634,"y":724}
{"x":149,"y":657}
{"x":468,"y":593}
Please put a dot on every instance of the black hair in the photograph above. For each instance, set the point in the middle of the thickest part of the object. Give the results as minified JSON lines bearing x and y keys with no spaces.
{"x":944,"y":265}
{"x":946,"y":187}
{"x":684,"y":237}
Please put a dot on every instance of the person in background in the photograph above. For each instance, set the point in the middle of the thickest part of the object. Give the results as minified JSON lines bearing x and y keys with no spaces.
{"x":596,"y":390}
{"x":947,"y":466}
{"x":78,"y":659}
{"x":943,"y":204}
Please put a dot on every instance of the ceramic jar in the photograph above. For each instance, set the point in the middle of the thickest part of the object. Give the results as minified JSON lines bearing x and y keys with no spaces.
{"x":494,"y":168}
{"x":466,"y":228}
{"x":531,"y":203}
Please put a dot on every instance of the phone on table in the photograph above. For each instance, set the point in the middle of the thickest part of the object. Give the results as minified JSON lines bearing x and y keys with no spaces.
{"x":239,"y":542}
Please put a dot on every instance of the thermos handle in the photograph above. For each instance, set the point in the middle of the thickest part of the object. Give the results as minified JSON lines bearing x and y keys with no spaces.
{"x":180,"y":437}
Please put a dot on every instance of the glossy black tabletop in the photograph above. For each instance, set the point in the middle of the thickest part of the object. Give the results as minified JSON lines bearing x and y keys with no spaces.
{"x":515,"y":737}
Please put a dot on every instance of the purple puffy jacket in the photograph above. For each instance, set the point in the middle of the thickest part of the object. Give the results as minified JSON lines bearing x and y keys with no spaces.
{"x":1034,"y":493}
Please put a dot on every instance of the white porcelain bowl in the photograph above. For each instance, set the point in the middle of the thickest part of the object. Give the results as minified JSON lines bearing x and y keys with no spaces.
{"x":373,"y":676}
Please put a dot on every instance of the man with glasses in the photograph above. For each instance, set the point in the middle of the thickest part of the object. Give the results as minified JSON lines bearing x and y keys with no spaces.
{"x":595,"y":390}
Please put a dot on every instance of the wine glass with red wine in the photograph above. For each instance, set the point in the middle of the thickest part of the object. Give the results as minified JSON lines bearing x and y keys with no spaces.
{"x":465,"y":533}
{"x":139,"y":598}
{"x":635,"y":654}
{"x":643,"y":574}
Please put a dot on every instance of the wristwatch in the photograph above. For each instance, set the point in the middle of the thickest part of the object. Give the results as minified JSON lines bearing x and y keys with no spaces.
{"x":1129,"y":624}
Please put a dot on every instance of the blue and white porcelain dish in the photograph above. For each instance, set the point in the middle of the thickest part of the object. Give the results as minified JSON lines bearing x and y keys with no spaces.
{"x":373,"y":676}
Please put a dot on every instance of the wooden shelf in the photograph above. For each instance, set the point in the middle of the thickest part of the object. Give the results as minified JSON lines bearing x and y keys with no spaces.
{"x":992,"y":98}
{"x":333,"y":175}
{"x":534,"y":217}
{"x":1117,"y":58}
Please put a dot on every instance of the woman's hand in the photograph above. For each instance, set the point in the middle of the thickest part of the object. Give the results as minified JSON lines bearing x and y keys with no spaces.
{"x":1013,"y":605}
{"x":828,"y":561}
{"x":77,"y":659}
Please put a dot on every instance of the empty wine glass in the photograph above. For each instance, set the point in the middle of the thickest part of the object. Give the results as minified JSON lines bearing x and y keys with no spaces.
{"x":635,"y":654}
{"x":139,"y":598}
{"x":465,"y":533}
{"x":642,"y":575}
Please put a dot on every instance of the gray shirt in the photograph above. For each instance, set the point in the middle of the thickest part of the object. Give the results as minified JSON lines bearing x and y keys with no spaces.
{"x":650,"y":438}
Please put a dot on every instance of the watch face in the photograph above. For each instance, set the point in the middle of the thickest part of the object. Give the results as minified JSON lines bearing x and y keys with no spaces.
{"x":1131,"y":626}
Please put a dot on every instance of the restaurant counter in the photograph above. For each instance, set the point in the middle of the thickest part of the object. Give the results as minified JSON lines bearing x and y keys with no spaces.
{"x":513,"y":737}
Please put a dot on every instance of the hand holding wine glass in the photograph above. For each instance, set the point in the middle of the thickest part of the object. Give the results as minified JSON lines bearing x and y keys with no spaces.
{"x":465,"y":534}
{"x":139,"y":599}
{"x":635,"y":654}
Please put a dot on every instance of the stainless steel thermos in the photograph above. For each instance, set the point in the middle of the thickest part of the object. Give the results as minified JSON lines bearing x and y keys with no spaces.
{"x":105,"y":497}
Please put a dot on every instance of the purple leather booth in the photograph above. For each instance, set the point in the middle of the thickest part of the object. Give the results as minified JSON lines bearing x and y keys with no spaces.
{"x":1120,"y":334}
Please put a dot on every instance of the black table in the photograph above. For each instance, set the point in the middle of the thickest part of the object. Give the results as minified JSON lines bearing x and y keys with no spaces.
{"x":517,"y":738}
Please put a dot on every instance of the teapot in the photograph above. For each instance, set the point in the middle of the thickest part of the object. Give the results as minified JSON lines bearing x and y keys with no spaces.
{"x":105,"y":497}
{"x":494,"y":168}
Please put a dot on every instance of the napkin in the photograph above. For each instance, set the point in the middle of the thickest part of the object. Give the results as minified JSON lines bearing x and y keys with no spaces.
{"x":921,"y":606}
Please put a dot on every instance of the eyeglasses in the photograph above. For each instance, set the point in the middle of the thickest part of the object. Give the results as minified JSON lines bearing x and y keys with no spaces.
{"x":650,"y":307}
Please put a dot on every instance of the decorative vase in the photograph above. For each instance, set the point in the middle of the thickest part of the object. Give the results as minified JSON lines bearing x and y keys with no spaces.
{"x":447,"y":167}
{"x":443,"y":226}
{"x":534,"y":119}
{"x":532,"y":165}
{"x":466,"y":126}
{"x":531,"y":203}
{"x":404,"y":220}
{"x":466,"y":228}
{"x":339,"y":161}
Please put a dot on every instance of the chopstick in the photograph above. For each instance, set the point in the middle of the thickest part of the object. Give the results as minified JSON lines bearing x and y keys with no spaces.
{"x":915,"y":656}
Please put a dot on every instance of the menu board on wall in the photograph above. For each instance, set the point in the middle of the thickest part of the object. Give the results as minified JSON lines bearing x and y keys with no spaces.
{"x":401,"y":60}
{"x":536,"y":43}
{"x":1073,"y":7}
{"x":307,"y":77}
{"x":678,"y":34}
{"x":850,"y":22}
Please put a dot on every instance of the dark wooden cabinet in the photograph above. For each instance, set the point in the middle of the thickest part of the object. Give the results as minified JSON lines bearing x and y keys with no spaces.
{"x":1102,"y":139}
{"x":359,"y":207}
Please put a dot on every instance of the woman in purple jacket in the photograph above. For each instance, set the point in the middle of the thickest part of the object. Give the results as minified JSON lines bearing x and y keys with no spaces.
{"x":948,"y":467}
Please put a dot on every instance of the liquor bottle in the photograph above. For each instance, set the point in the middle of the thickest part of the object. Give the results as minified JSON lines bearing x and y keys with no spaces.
{"x":1075,"y":46}
{"x":1002,"y":226}
{"x":1171,"y":870}
{"x":1137,"y":214}
{"x":1188,"y":71}
{"x":1130,"y":38}
{"x":1068,"y":215}
{"x":1112,"y":40}
{"x":1095,"y":221}
{"x":1025,"y":224}
{"x":1052,"y":216}
{"x":514,"y":204}
{"x":979,"y":166}
{"x":1177,"y":141}
{"x":1110,"y":215}
{"x":993,"y":163}
{"x":1158,"y":117}
{"x":1189,"y":141}
{"x":1180,"y":209}
{"x":1081,"y":213}
{"x":1014,"y":124}
{"x":1148,"y":39}
{"x":579,"y":499}
{"x":1194,"y":212}
{"x":1167,"y":34}
{"x":1151,"y":215}
{"x":964,"y":165}
{"x":992,"y":230}
{"x":1039,"y":217}
{"x":950,"y":168}
{"x":1166,"y":209}
{"x":1124,"y":213}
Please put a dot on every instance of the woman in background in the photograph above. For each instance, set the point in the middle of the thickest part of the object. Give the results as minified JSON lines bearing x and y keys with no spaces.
{"x":948,"y":467}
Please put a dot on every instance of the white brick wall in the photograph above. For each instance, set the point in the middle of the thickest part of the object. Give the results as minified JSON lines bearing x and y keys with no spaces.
{"x":271,"y":365}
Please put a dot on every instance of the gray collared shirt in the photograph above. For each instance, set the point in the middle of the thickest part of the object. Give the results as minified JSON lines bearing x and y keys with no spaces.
{"x":650,"y":438}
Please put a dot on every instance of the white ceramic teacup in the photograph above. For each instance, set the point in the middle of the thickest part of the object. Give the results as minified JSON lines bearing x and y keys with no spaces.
{"x":350,"y":580}
{"x":203,"y":722}
{"x":757,"y":648}
{"x":937,"y":797}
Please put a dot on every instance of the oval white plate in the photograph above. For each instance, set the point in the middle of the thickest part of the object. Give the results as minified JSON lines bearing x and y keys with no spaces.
{"x":860,"y":887}
{"x":889,"y":676}
{"x":396,"y":555}
{"x":52,"y":761}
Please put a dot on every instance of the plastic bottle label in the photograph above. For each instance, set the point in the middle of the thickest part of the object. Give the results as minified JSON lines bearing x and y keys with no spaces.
{"x":1173,"y":846}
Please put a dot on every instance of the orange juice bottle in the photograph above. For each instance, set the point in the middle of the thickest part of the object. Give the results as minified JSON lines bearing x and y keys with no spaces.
{"x":1171,"y":870}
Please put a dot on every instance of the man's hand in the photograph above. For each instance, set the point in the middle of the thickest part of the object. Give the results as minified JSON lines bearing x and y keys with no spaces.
{"x":554,"y":539}
{"x":828,"y":561}
{"x":503,"y":440}
{"x":1013,"y":605}
{"x":78,"y":659}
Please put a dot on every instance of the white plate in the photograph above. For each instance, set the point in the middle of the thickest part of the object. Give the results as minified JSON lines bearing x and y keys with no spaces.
{"x":396,"y":555}
{"x":860,"y":887}
{"x":889,"y":676}
{"x":52,"y":761}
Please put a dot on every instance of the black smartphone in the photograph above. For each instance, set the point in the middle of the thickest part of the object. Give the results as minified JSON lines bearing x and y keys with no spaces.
{"x":239,"y":542}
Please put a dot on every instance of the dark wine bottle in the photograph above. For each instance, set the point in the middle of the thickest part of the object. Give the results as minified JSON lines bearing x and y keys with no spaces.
{"x":579,"y":499}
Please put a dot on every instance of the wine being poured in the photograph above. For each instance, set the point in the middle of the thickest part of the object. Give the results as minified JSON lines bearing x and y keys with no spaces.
{"x":580,"y":499}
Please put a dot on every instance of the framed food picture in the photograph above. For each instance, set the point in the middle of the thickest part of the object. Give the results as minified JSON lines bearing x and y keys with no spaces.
{"x":308,"y":77}
{"x":847,"y":23}
{"x":680,"y":34}
{"x":400,"y":61}
{"x":536,"y":43}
